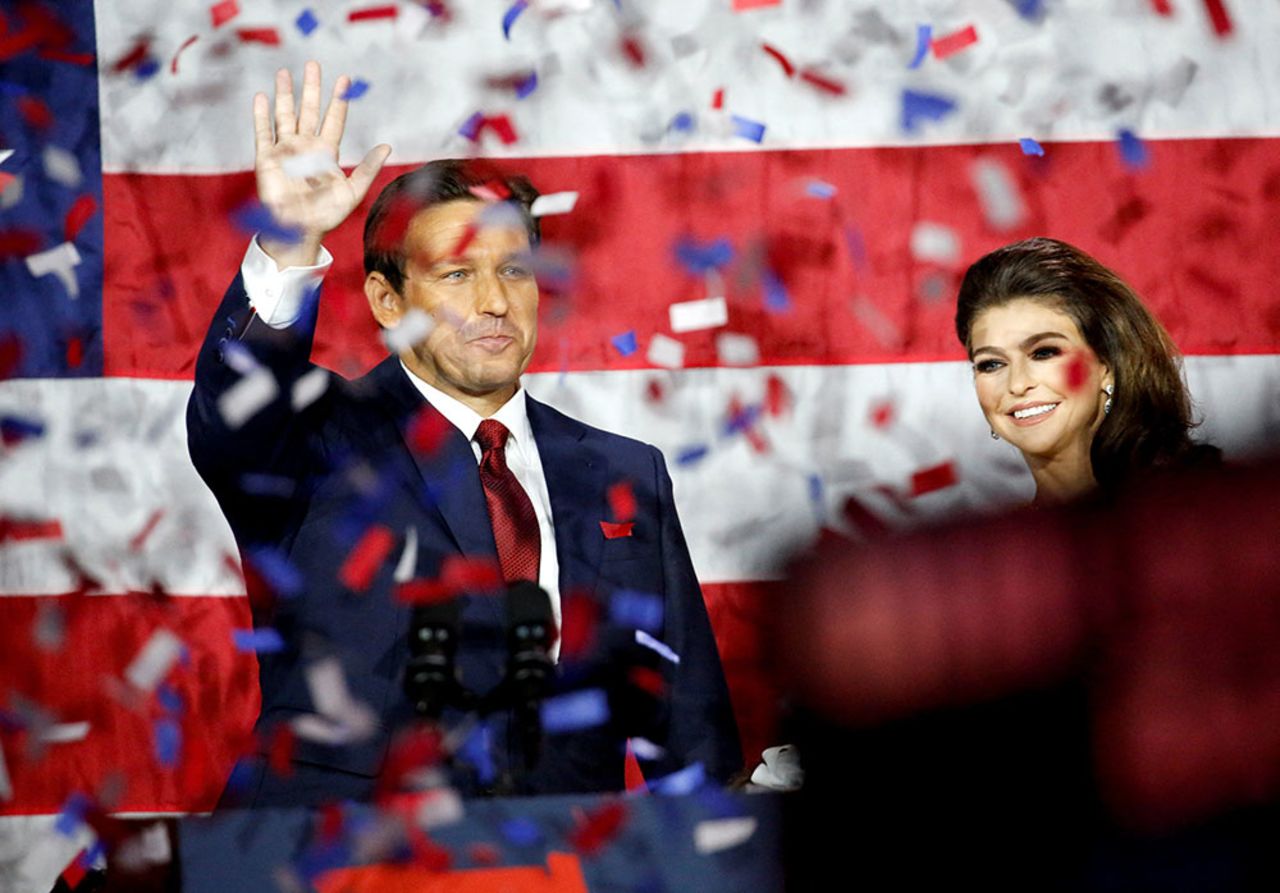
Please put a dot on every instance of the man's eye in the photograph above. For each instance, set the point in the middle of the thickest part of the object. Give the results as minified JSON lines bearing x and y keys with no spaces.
{"x":455,"y":275}
{"x":987,"y":365}
{"x":512,"y":271}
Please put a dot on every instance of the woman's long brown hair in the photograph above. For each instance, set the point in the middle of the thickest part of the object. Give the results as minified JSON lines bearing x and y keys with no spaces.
{"x":1150,"y":421}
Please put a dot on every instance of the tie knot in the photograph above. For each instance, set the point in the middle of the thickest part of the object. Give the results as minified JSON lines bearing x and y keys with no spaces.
{"x":491,"y":435}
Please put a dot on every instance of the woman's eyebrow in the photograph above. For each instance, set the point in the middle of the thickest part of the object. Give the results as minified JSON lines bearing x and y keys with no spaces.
{"x":1027,"y":342}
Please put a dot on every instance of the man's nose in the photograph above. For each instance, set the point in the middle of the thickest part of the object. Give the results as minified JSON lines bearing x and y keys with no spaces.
{"x":491,"y":295}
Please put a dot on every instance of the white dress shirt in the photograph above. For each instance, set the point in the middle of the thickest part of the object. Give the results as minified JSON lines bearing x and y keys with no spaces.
{"x":277,"y":296}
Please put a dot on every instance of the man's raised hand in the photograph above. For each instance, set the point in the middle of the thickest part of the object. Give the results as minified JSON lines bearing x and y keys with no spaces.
{"x":299,"y":180}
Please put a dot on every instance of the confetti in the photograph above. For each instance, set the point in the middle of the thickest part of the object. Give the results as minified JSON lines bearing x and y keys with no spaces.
{"x":949,"y":44}
{"x":776,"y":299}
{"x":140,"y":538}
{"x":260,"y":641}
{"x":6,"y":783}
{"x":521,"y":832}
{"x":154,"y":661}
{"x":1133,"y":151}
{"x":306,"y":22}
{"x":577,"y":710}
{"x":276,"y":570}
{"x":355,"y":90}
{"x":1078,"y":370}
{"x":661,"y":648}
{"x":366,"y":558}
{"x":427,"y":430}
{"x":1219,"y":17}
{"x":665,"y":351}
{"x":787,"y":68}
{"x":714,"y":835}
{"x":477,"y":751}
{"x":747,"y":129}
{"x":62,"y":167}
{"x":633,"y":609}
{"x":924,"y":37}
{"x":247,"y":397}
{"x":408,"y":562}
{"x":1031,"y":147}
{"x":681,"y":782}
{"x":742,"y":5}
{"x":253,"y":218}
{"x":613,"y":531}
{"x":280,"y":750}
{"x":223,"y":12}
{"x":61,"y":261}
{"x":341,"y":718}
{"x":823,"y":82}
{"x":693,"y":316}
{"x":777,"y":397}
{"x":937,"y":477}
{"x":596,"y":829}
{"x":699,"y":258}
{"x":168,"y":741}
{"x":683,"y":122}
{"x":625,"y":342}
{"x":526,"y":86}
{"x":1163,"y":7}
{"x":412,"y":329}
{"x":65,"y":733}
{"x":5,"y":155}
{"x":820,"y":189}
{"x":918,"y":107}
{"x":692,"y":454}
{"x":644,"y":749}
{"x":372,"y":13}
{"x":935,"y":243}
{"x":459,"y":575}
{"x":266,"y":36}
{"x":553,"y":203}
{"x":733,"y":349}
{"x":882,"y":414}
{"x":510,"y":16}
{"x":1001,"y":201}
{"x":309,"y":164}
{"x":71,"y":816}
{"x":309,"y":388}
{"x":15,"y":429}
{"x":173,"y":63}
{"x":622,"y":501}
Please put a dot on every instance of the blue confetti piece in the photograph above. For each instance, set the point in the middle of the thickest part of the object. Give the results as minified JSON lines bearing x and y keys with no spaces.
{"x":170,"y":699}
{"x":252,"y":217}
{"x":307,"y":22}
{"x":470,"y":128}
{"x":357,"y":89}
{"x":1029,"y":9}
{"x":521,"y":832}
{"x":683,"y":122}
{"x":776,"y":299}
{"x":625,"y":343}
{"x":527,"y":86}
{"x":815,"y":488}
{"x":1031,"y":147}
{"x":72,"y":814}
{"x":743,"y":420}
{"x":681,"y":782}
{"x":692,"y":454}
{"x":168,"y":739}
{"x":636,"y":610}
{"x":510,"y":16}
{"x":924,"y":38}
{"x":1133,"y":151}
{"x":14,"y":429}
{"x":276,"y":485}
{"x":261,"y":641}
{"x":147,"y":68}
{"x":93,"y":854}
{"x":700,"y":259}
{"x":477,"y":751}
{"x":279,"y":572}
{"x":576,"y":710}
{"x":917,"y":107}
{"x":747,"y":129}
{"x":820,"y":189}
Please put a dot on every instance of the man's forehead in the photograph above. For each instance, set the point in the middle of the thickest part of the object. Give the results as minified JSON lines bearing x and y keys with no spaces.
{"x":495,"y":222}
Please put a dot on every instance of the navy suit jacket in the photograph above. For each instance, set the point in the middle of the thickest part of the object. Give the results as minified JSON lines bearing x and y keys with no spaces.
{"x":300,"y":487}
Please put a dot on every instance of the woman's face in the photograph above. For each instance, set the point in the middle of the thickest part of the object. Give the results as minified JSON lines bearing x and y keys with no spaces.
{"x":1039,"y":384}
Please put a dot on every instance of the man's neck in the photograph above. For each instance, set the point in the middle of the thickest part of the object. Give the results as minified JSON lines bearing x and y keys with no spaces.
{"x":483,"y":405}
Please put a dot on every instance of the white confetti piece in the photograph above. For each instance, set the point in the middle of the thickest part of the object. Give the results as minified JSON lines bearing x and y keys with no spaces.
{"x":734,"y":349}
{"x":310,"y":164}
{"x":705,"y":313}
{"x":1001,"y":201}
{"x":5,"y":154}
{"x":413,"y":327}
{"x":309,"y":388}
{"x":935,"y":243}
{"x":408,"y":563}
{"x":62,"y":167}
{"x":6,"y":786}
{"x":12,"y":194}
{"x":644,"y":749}
{"x":154,"y":661}
{"x":553,"y":203}
{"x":65,"y":732}
{"x":247,"y":396}
{"x":653,"y":644}
{"x":439,"y":807}
{"x":61,"y":260}
{"x":714,"y":835}
{"x":339,"y":718}
{"x":666,"y":352}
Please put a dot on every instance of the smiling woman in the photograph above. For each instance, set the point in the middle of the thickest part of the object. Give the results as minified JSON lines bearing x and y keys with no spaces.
{"x":1072,"y":369}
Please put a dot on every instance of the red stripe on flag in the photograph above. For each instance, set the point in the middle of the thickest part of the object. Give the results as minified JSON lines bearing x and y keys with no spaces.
{"x":1202,"y":257}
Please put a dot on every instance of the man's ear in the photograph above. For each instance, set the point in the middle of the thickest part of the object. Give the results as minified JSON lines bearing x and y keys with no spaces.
{"x":385,"y":302}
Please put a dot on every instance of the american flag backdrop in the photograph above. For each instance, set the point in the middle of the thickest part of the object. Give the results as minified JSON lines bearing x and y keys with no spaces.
{"x":804,"y":181}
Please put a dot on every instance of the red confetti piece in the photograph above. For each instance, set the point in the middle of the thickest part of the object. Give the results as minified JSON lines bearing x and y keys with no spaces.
{"x":413,"y":750}
{"x":742,"y":5}
{"x":458,"y":574}
{"x":1078,"y":370}
{"x":35,"y":112}
{"x":1163,"y":7}
{"x":777,"y":397}
{"x":502,"y":126}
{"x":428,"y":853}
{"x":173,"y":64}
{"x":950,"y":44}
{"x":597,"y":828}
{"x":10,"y":348}
{"x":485,"y":854}
{"x":616,"y":531}
{"x":391,"y":231}
{"x":863,"y":520}
{"x":330,"y":823}
{"x":464,"y":241}
{"x":936,"y":477}
{"x":622,"y":501}
{"x":776,"y":53}
{"x":823,"y":83}
{"x":372,"y":13}
{"x":5,"y":179}
{"x":579,"y":618}
{"x":280,"y":750}
{"x":427,"y":430}
{"x":20,"y":531}
{"x":364,"y":560}
{"x":78,"y":215}
{"x":268,"y":36}
{"x":492,"y":191}
{"x":140,"y":538}
{"x":717,"y":99}
{"x":654,"y":392}
{"x":18,"y":242}
{"x":223,"y":12}
{"x":648,"y":680}
{"x":133,"y":57}
{"x":882,"y":414}
{"x":1219,"y":17}
{"x":54,"y":55}
{"x":633,"y":50}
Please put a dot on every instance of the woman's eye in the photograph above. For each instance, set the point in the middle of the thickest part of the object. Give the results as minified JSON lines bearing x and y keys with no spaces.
{"x":1045,"y":353}
{"x":987,"y":365}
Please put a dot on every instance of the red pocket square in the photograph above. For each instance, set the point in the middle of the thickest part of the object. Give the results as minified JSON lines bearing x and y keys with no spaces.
{"x":613,"y":530}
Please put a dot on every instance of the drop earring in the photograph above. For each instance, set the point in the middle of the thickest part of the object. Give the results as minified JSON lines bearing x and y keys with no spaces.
{"x":994,"y":435}
{"x":1108,"y":390}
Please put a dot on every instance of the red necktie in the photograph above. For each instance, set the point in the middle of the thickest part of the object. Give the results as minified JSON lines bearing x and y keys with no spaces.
{"x":515,"y":526}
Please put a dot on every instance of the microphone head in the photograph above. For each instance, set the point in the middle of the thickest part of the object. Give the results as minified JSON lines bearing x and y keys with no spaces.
{"x":529,"y":616}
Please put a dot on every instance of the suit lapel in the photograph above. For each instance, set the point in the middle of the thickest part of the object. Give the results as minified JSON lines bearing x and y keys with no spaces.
{"x":575,"y":476}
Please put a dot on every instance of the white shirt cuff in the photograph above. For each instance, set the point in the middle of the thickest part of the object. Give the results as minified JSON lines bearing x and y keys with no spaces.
{"x":276,"y":295}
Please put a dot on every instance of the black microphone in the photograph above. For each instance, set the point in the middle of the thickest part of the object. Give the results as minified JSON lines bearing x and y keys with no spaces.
{"x":431,"y":676}
{"x":530,"y":631}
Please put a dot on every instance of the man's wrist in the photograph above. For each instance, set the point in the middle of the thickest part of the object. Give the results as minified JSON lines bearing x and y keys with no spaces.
{"x":303,"y":253}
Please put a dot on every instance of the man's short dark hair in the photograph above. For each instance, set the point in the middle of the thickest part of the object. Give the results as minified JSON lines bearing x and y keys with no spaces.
{"x":435,"y":183}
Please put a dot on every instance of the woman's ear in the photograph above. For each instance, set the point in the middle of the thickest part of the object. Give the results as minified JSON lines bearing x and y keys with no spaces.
{"x":385,"y":302}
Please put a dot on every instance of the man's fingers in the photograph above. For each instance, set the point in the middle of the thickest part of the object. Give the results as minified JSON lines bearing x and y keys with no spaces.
{"x":262,"y":139}
{"x":335,"y":118}
{"x":286,"y":120}
{"x":367,"y":170}
{"x":309,"y":118}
